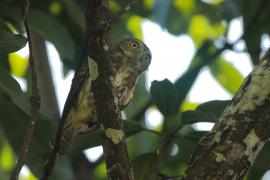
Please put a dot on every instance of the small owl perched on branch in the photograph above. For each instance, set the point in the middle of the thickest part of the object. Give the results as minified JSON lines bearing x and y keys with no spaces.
{"x":130,"y":57}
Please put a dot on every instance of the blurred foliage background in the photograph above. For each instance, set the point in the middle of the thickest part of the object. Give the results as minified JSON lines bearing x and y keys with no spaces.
{"x":62,"y":23}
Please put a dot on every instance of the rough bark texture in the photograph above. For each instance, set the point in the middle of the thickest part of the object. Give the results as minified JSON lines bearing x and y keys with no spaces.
{"x":99,"y":22}
{"x":229,"y":150}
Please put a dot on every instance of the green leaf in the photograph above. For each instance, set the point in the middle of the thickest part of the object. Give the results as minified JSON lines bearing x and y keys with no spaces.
{"x":215,"y":107}
{"x":75,"y":14}
{"x":227,"y":75}
{"x":10,"y":42}
{"x":255,"y":173}
{"x":10,"y":87}
{"x":52,"y":30}
{"x":263,"y":158}
{"x":13,"y":122}
{"x":18,"y":64}
{"x":191,"y":117}
{"x":132,"y":127}
{"x":94,"y":139}
{"x":186,"y":147}
{"x":164,"y":95}
{"x":195,"y":136}
{"x":143,"y":165}
{"x":255,"y":23}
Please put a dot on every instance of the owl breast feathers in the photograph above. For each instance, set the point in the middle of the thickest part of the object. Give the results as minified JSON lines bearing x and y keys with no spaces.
{"x":130,"y":57}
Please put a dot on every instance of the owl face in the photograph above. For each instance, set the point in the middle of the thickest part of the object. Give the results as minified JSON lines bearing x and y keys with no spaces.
{"x":137,"y":54}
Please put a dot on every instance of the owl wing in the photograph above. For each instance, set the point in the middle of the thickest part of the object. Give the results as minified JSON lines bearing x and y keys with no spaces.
{"x":81,"y":75}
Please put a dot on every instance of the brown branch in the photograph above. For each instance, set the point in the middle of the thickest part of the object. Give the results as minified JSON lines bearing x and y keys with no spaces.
{"x":124,"y":10}
{"x":35,"y":100}
{"x":116,"y":156}
{"x":240,"y":133}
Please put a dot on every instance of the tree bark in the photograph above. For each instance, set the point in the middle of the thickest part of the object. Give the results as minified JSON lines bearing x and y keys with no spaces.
{"x":229,"y":150}
{"x":99,"y":21}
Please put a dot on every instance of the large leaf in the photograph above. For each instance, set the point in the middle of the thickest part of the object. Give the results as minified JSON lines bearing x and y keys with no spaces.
{"x":10,"y":87}
{"x":13,"y":122}
{"x":10,"y":42}
{"x":215,"y":107}
{"x":52,"y":30}
{"x":191,"y":117}
{"x":256,"y":23}
{"x":263,"y":159}
{"x":186,"y":147}
{"x":164,"y":95}
{"x":227,"y":75}
{"x":143,"y":165}
{"x":132,"y":127}
{"x":18,"y":64}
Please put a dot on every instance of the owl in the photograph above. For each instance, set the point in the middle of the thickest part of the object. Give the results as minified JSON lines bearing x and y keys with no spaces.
{"x":130,"y":57}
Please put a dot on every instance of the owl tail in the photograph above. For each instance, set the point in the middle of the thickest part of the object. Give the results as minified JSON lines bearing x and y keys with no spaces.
{"x":68,"y":135}
{"x":70,"y":132}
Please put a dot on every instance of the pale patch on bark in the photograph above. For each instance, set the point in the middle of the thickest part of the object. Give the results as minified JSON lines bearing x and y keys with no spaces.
{"x":231,"y":172}
{"x":253,"y":145}
{"x":230,"y":122}
{"x":229,"y":110}
{"x":114,"y":134}
{"x":256,"y":91}
{"x":93,"y":70}
{"x":217,"y":137}
{"x":220,"y":157}
{"x":106,"y":47}
{"x":102,"y":127}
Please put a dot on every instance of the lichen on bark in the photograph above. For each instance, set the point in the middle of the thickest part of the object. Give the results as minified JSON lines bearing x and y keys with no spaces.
{"x":239,"y":134}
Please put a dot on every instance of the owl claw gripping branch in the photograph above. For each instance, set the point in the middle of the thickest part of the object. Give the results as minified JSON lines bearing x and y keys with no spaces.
{"x":130,"y":57}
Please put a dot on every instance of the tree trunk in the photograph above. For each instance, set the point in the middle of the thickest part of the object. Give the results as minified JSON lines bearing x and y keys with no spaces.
{"x":229,"y":150}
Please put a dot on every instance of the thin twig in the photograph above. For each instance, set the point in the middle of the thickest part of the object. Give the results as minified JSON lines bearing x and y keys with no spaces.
{"x":124,"y":10}
{"x":35,"y":100}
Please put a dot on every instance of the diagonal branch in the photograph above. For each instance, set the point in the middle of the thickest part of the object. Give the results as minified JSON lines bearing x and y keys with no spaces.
{"x":240,"y":133}
{"x":35,"y":100}
{"x":124,"y":10}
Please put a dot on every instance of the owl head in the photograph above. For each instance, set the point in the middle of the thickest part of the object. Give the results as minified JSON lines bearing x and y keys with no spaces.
{"x":131,"y":53}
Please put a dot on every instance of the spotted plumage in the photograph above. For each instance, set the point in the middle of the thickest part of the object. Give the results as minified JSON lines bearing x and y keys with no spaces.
{"x":130,"y":57}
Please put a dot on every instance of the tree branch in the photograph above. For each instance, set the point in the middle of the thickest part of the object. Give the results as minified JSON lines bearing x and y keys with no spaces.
{"x":124,"y":10}
{"x":99,"y":21}
{"x":35,"y":100}
{"x":240,"y":133}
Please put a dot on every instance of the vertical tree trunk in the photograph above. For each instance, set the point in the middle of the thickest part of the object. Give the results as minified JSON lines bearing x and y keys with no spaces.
{"x":117,"y":161}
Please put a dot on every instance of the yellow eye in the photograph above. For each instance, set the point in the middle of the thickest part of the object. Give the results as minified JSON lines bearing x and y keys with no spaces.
{"x":134,"y":44}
